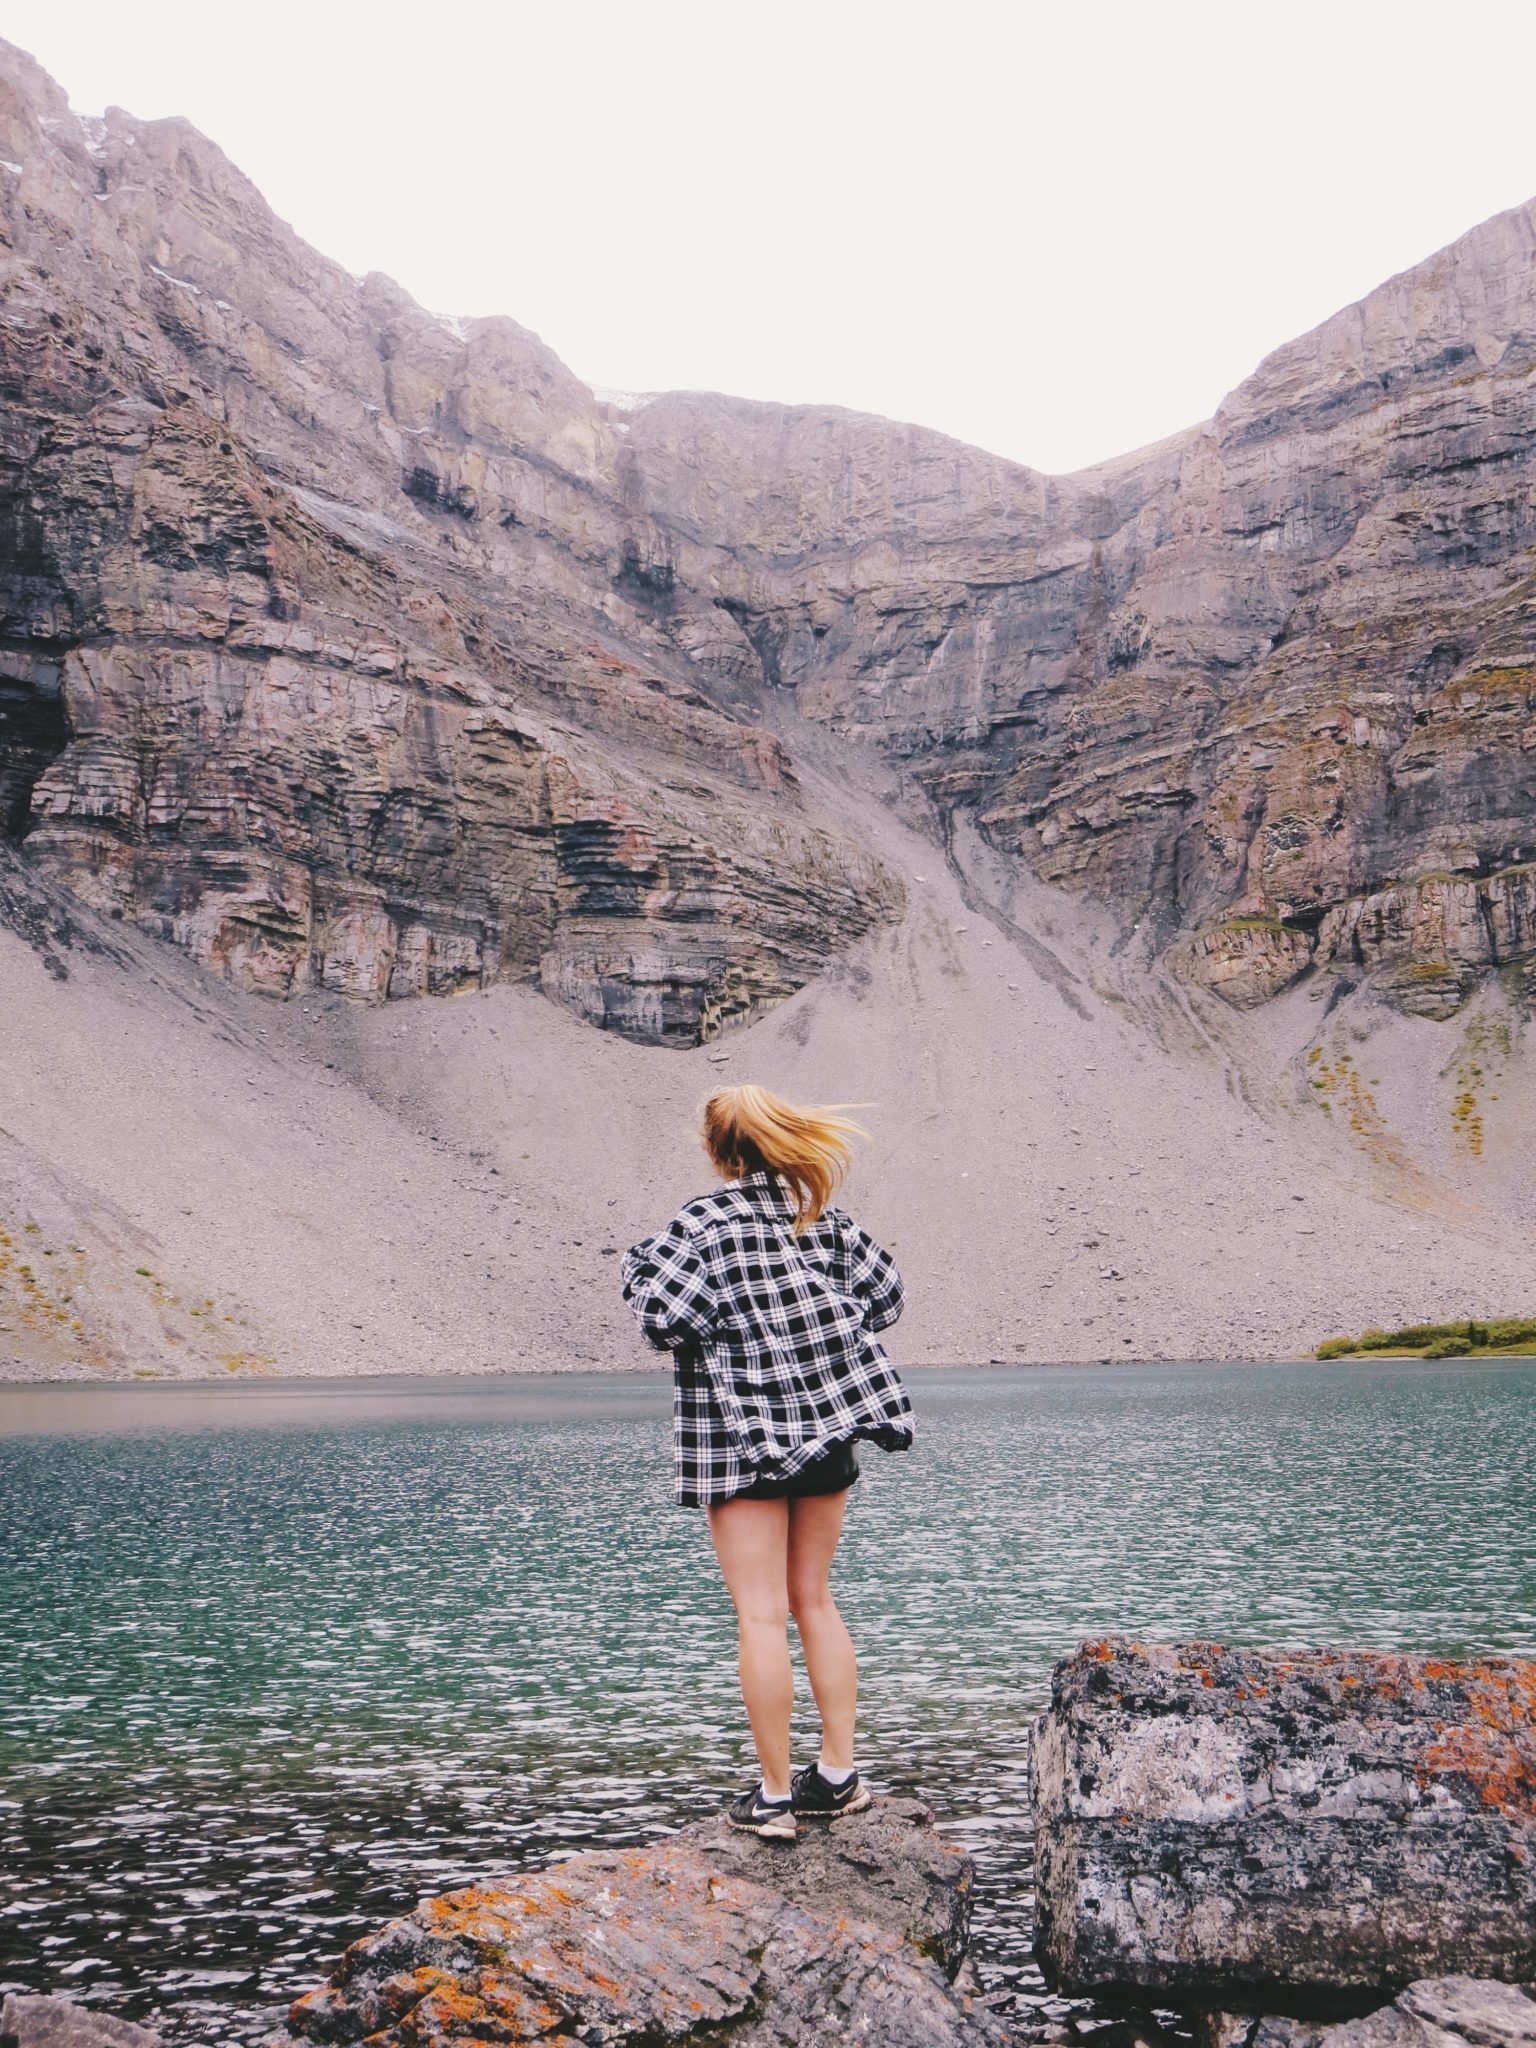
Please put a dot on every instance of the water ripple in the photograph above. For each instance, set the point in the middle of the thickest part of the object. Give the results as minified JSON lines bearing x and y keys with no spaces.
{"x":266,"y":1686}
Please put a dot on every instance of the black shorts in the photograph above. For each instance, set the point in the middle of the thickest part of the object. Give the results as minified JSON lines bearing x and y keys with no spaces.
{"x":833,"y":1472}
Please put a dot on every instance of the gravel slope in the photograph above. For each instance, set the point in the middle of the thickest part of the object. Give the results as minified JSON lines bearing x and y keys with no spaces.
{"x":1072,"y":1159}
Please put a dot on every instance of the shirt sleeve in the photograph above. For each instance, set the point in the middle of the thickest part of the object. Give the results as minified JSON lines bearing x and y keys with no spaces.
{"x":667,"y":1287}
{"x":874,"y":1279}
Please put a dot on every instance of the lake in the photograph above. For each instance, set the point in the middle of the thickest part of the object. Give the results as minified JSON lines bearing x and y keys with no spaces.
{"x":280,"y":1658}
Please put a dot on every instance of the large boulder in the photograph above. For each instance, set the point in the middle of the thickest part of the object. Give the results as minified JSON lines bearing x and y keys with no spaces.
{"x":1284,"y":1827}
{"x":853,"y":1933}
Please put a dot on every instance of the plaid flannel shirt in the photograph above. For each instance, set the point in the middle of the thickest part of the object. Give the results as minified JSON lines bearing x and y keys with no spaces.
{"x":774,"y":1355}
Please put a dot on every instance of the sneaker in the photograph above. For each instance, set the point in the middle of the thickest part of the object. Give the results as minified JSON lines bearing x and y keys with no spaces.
{"x":772,"y":1818}
{"x":811,"y":1795}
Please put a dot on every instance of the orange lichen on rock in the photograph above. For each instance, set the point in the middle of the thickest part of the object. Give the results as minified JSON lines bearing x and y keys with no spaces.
{"x":672,"y":1942}
{"x":1496,"y":1753}
{"x":1319,"y":1872}
{"x":494,"y":2012}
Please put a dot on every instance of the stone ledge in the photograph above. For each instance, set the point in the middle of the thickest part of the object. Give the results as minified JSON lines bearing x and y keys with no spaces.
{"x":854,"y":1932}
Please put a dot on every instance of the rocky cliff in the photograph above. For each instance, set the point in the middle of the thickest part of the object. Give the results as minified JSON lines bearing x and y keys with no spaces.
{"x":357,"y":648}
{"x":1267,"y":686}
{"x":314,"y":636}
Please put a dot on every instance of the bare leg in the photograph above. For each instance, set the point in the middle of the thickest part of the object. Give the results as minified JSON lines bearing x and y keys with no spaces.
{"x":814,"y":1527}
{"x":751,"y":1541}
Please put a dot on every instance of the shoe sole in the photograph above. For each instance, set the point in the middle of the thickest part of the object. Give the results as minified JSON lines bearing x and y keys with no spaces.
{"x":857,"y":1804}
{"x":771,"y":1830}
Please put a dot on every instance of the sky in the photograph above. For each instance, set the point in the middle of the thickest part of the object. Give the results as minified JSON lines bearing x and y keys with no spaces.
{"x":1059,"y":231}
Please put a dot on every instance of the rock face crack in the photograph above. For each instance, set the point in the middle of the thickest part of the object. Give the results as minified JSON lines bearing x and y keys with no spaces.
{"x":34,"y":731}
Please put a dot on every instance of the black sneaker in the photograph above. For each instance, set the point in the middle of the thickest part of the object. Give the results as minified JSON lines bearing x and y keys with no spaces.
{"x":811,"y":1795}
{"x":772,"y":1818}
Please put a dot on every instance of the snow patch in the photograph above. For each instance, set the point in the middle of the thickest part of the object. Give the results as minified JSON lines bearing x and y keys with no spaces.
{"x":180,"y":283}
{"x":621,"y":401}
{"x":7,"y":165}
{"x":459,"y":329}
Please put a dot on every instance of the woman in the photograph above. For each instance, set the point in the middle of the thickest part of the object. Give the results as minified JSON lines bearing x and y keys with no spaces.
{"x":768,"y":1299}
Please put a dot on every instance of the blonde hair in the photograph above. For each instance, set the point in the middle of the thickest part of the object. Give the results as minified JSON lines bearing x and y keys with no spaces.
{"x":748,"y":1129}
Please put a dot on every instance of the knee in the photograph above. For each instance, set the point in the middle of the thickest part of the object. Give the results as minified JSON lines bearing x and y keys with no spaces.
{"x":763,"y":1611}
{"x":810,"y":1599}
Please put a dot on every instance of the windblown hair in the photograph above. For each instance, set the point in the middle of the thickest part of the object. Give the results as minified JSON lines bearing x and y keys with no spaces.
{"x":748,"y":1128}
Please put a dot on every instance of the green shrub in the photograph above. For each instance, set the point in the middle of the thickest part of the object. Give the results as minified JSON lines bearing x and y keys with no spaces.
{"x":1511,"y":1330}
{"x":1336,"y":1347}
{"x":1438,"y":1340}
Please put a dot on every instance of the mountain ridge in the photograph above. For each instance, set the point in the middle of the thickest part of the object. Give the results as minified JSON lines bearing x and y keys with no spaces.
{"x":946,"y":606}
{"x":1154,"y":844}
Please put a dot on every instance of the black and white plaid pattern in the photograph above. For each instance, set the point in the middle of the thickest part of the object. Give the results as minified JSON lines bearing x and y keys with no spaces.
{"x":771,"y":1335}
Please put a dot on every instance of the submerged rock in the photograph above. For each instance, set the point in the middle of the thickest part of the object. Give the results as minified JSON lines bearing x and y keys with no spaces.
{"x":1288,"y":1827}
{"x":36,"y":2022}
{"x":853,"y":1933}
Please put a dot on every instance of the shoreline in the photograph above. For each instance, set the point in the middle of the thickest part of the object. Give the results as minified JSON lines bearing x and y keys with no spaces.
{"x":78,"y":1406}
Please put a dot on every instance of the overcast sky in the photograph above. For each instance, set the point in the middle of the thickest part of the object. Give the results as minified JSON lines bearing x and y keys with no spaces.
{"x":1057,"y":230}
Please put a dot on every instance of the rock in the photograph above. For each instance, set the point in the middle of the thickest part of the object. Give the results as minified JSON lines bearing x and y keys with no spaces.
{"x":888,"y":1864}
{"x":37,"y":2022}
{"x":352,"y":647}
{"x":852,"y":1933}
{"x":318,"y":651}
{"x":1490,"y":2015}
{"x":1236,"y":1827}
{"x":1439,"y":2012}
{"x":1388,"y":2028}
{"x":1224,"y":2029}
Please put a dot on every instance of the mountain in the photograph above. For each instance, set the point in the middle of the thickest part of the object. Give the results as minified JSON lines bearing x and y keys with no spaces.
{"x":363,"y":653}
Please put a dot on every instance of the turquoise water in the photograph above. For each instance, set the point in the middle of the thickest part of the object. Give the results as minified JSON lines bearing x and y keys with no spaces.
{"x":280,"y":1660}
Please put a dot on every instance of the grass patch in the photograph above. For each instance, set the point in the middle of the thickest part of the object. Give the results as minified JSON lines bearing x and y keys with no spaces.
{"x":1337,"y":1083}
{"x":1502,"y":1337}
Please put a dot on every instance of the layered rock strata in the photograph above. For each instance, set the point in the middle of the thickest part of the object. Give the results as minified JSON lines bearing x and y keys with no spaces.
{"x":1271,"y":1827}
{"x":351,"y":646}
{"x":1268,"y":686}
{"x":854,"y":1933}
{"x":278,"y":686}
